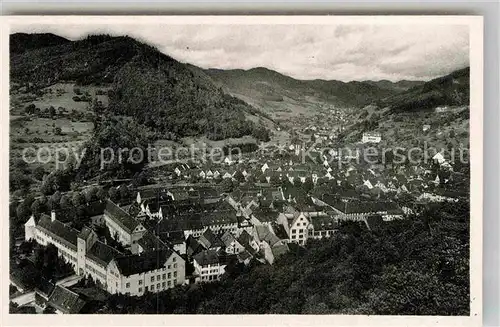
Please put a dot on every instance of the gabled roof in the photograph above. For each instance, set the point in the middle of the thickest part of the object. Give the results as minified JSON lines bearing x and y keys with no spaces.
{"x":58,"y":230}
{"x":209,"y":240}
{"x":265,"y":234}
{"x":65,"y":300}
{"x":150,"y":242}
{"x":85,"y":233}
{"x":265,"y":215}
{"x":244,"y":238}
{"x":141,"y":263}
{"x":227,"y":238}
{"x":324,"y":222}
{"x":120,"y":216}
{"x":103,"y":253}
{"x":207,"y":257}
{"x":193,"y":244}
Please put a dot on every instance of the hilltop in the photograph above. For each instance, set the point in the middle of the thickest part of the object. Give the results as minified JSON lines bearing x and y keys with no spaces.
{"x":22,"y":42}
{"x":157,"y":90}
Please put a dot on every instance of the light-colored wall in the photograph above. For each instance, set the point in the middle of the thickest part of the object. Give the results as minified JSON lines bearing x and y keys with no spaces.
{"x":168,"y":276}
{"x":124,"y":237}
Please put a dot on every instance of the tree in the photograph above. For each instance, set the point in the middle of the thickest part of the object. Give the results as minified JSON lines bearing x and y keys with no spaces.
{"x":30,"y":109}
{"x":238,"y":175}
{"x":39,"y":172}
{"x":124,"y":192}
{"x":77,"y":199}
{"x":91,"y":194}
{"x":52,"y":111}
{"x":23,"y":211}
{"x":19,"y":180}
{"x":227,"y":185}
{"x":65,"y":202}
{"x":113,"y":194}
{"x":101,"y":194}
{"x":57,"y":131}
{"x":54,"y":200}
{"x":36,"y":207}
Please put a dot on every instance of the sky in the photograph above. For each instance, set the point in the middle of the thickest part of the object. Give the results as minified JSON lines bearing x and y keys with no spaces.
{"x":339,"y":52}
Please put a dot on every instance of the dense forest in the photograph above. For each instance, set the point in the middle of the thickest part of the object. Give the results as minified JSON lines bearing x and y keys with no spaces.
{"x":416,"y":266}
{"x":168,"y":98}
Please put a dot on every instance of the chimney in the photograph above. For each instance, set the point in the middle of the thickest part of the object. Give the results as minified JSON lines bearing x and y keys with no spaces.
{"x":52,"y":215}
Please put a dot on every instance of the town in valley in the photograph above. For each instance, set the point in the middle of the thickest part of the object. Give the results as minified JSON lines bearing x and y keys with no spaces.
{"x":260,"y":192}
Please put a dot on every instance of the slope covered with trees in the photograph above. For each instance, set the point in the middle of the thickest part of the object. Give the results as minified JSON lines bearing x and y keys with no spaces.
{"x":160,"y":92}
{"x":22,"y":42}
{"x":448,"y":90}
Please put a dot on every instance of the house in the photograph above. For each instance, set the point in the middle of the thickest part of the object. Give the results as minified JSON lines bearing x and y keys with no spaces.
{"x":296,"y":226}
{"x":65,"y":301}
{"x":87,"y":255}
{"x":208,"y":266}
{"x":194,"y":219}
{"x":370,"y":137}
{"x":210,"y":241}
{"x":231,"y":244}
{"x":264,"y":167}
{"x":121,"y":225}
{"x":267,"y":240}
{"x":248,"y":242}
{"x":193,"y":246}
{"x":146,"y":272}
{"x":322,"y":226}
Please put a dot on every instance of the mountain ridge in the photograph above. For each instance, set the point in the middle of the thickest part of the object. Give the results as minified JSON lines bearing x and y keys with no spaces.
{"x":178,"y":101}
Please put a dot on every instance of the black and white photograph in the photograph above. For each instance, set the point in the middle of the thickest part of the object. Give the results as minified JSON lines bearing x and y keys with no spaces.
{"x":217,"y":166}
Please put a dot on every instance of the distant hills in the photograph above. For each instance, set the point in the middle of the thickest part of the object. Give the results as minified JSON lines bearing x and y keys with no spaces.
{"x":399,"y":86}
{"x":268,"y":85}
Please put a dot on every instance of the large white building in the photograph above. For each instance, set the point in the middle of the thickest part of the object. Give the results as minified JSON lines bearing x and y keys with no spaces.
{"x":208,"y":266}
{"x":153,"y":271}
{"x":87,"y":255}
{"x":122,"y":226}
{"x":153,"y":267}
{"x":303,"y":225}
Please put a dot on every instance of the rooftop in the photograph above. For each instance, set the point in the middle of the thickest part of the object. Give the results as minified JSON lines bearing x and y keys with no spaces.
{"x":120,"y":216}
{"x":141,"y":263}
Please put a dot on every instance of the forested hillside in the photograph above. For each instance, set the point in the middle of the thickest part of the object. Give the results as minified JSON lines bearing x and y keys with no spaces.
{"x":449,"y":90}
{"x":22,"y":42}
{"x":157,"y":90}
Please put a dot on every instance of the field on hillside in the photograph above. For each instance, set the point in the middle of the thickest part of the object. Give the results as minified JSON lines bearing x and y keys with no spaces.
{"x":286,"y":107}
{"x":57,"y":95}
{"x":34,"y":125}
